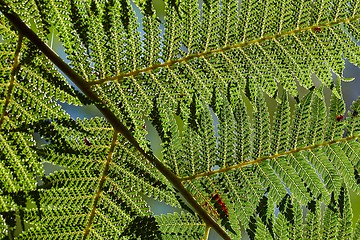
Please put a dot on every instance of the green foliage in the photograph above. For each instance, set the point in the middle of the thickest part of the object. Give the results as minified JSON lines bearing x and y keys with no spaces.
{"x":204,"y":77}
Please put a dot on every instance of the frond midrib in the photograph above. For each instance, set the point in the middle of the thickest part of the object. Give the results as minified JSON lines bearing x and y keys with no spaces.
{"x":204,"y":54}
{"x":274,"y":156}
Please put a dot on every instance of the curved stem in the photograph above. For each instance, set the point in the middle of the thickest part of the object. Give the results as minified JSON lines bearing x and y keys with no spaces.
{"x":108,"y":114}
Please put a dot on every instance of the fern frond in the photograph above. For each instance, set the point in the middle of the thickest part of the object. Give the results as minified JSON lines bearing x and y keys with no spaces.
{"x":262,"y":232}
{"x":151,"y":38}
{"x":99,"y":193}
{"x":228,"y":138}
{"x":20,"y":106}
{"x":294,"y":217}
{"x":330,"y":224}
{"x":97,"y":41}
{"x":3,"y":228}
{"x":295,"y":169}
{"x":346,"y":215}
{"x":246,"y":174}
{"x":280,"y":133}
{"x":6,"y":203}
{"x":180,"y":226}
{"x":244,"y":191}
{"x":281,"y":227}
{"x":86,"y":149}
{"x":357,"y":230}
{"x":300,"y":128}
{"x":53,"y":233}
{"x":34,"y":10}
{"x":261,"y":125}
{"x":312,"y":221}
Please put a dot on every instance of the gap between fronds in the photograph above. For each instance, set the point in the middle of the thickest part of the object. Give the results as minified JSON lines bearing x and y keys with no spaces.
{"x":262,"y":159}
{"x":118,"y":126}
{"x":187,"y":58}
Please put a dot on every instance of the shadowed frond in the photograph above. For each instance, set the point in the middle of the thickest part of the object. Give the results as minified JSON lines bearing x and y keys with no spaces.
{"x":112,"y":187}
{"x":27,"y":96}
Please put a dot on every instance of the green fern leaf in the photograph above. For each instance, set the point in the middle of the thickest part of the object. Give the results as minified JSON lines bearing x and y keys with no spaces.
{"x":281,"y":227}
{"x":312,"y":221}
{"x":346,"y":215}
{"x":261,"y":230}
{"x":203,"y":82}
{"x":357,"y":230}
{"x":180,"y":226}
{"x":330,"y":223}
{"x":243,"y":133}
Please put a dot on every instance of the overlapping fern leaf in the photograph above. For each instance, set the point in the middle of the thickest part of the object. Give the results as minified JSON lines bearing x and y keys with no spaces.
{"x":30,"y":89}
{"x":102,"y":189}
{"x":310,"y":166}
{"x":202,"y":77}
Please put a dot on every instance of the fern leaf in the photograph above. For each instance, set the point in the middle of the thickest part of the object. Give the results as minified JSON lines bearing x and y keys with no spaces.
{"x":180,"y":226}
{"x":328,"y":172}
{"x":312,"y":222}
{"x":172,"y":35}
{"x":53,"y":233}
{"x":227,"y":137}
{"x":8,"y":209}
{"x":318,"y":116}
{"x":308,"y":175}
{"x":354,"y":121}
{"x":243,"y":134}
{"x":301,"y":121}
{"x":21,"y":88}
{"x":291,"y":180}
{"x":229,"y":30}
{"x":280,"y":133}
{"x":152,"y":38}
{"x":281,"y":227}
{"x":100,"y":190}
{"x":351,"y":150}
{"x":294,"y":217}
{"x":207,"y":138}
{"x":210,"y":24}
{"x":343,"y":166}
{"x":192,"y":151}
{"x":3,"y":228}
{"x":357,"y":230}
{"x":330,"y":224}
{"x":34,"y":10}
{"x":346,"y":215}
{"x":244,"y":191}
{"x":335,"y":129}
{"x":191,"y":23}
{"x":116,"y":44}
{"x":97,"y":41}
{"x":211,"y":55}
{"x":61,"y":17}
{"x":261,"y":126}
{"x":261,"y":230}
{"x":269,"y":179}
{"x":24,"y":169}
